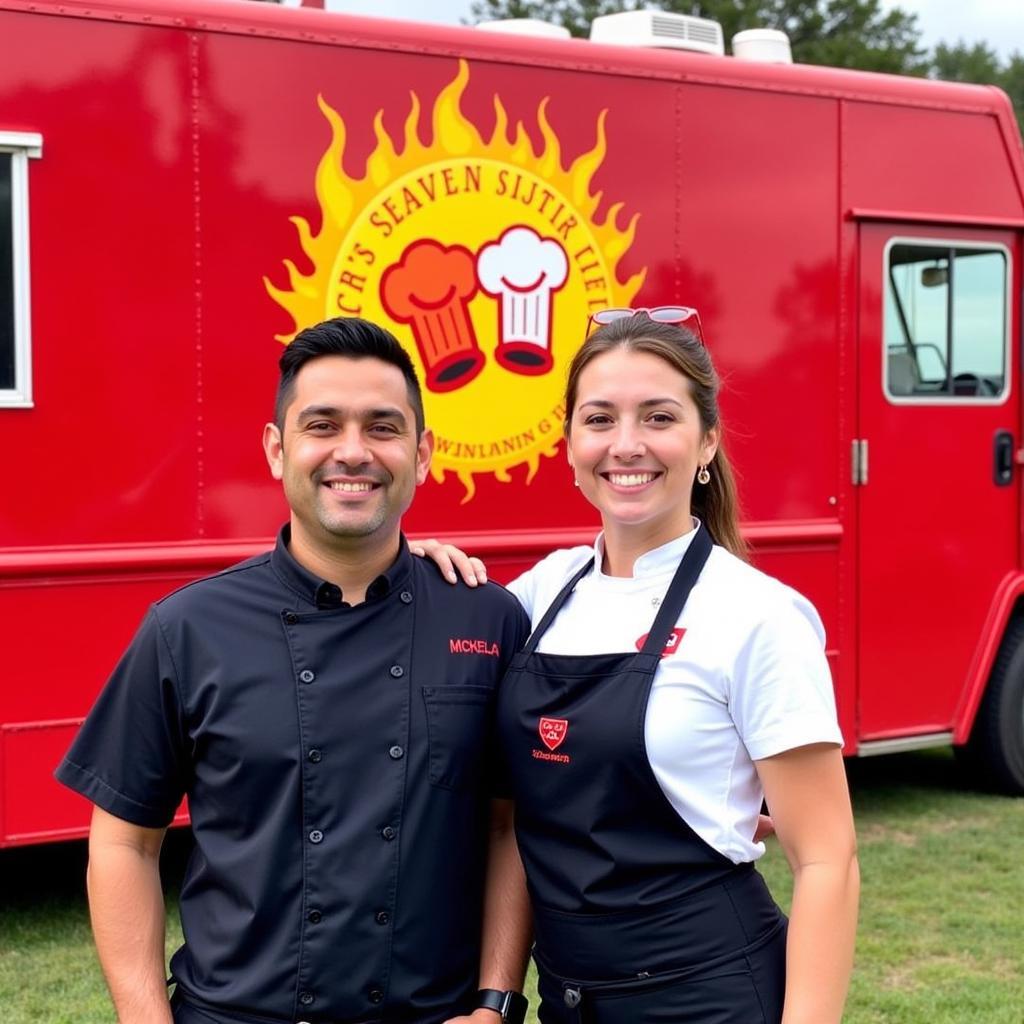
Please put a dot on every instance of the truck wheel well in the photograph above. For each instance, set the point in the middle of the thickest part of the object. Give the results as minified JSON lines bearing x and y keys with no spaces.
{"x":994,"y":754}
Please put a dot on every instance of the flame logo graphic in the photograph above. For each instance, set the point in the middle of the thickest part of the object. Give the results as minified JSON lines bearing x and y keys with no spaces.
{"x":497,"y":345}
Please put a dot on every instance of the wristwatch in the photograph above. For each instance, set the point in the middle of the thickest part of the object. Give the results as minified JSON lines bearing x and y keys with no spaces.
{"x":511,"y":1005}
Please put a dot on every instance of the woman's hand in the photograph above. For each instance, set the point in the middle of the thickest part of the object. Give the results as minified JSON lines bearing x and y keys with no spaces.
{"x":477,"y":1016}
{"x":449,"y":558}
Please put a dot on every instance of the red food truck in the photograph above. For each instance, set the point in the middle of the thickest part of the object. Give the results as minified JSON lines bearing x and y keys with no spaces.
{"x":184,"y":185}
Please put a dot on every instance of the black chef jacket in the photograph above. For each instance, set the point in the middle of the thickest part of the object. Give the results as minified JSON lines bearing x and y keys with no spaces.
{"x":336,"y":761}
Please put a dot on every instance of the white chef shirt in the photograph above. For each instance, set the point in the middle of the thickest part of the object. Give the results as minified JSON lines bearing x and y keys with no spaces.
{"x":748,"y":679}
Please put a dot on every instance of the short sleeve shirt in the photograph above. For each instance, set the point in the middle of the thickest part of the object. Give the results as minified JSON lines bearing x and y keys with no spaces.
{"x":336,"y":761}
{"x":742,"y":677}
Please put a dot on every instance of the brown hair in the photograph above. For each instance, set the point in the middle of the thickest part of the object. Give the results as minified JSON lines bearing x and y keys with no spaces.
{"x":715,"y":503}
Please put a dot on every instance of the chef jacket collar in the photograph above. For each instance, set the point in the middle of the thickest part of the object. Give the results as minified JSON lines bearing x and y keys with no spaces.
{"x":657,"y":561}
{"x":324,"y":594}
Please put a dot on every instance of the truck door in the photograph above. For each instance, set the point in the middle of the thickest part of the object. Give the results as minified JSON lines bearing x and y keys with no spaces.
{"x":936,"y":488}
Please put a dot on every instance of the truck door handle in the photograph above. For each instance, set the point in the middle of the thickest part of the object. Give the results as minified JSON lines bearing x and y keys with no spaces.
{"x":1002,"y":462}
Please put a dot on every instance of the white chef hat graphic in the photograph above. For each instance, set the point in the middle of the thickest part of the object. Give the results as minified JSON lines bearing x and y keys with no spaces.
{"x":522,"y":271}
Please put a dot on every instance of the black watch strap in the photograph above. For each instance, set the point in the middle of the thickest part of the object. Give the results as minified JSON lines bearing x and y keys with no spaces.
{"x":511,"y":1005}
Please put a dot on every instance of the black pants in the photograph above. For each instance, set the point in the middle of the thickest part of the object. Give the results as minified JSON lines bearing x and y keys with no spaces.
{"x":192,"y":1013}
{"x":746,"y":989}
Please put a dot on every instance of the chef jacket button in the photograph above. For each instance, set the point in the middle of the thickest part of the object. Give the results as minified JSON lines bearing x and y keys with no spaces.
{"x":306,"y":676}
{"x":291,"y":618}
{"x":396,"y":753}
{"x":397,"y":671}
{"x":306,"y":998}
{"x":316,"y":756}
{"x":314,"y":917}
{"x":316,"y":836}
{"x":382,"y":917}
{"x":376,"y":995}
{"x":405,"y":597}
{"x":388,"y":833}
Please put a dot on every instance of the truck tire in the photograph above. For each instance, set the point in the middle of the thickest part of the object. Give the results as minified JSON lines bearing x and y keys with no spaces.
{"x":995,"y":751}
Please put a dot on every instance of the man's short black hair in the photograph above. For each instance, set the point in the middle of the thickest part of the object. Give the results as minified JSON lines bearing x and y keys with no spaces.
{"x":354,"y":338}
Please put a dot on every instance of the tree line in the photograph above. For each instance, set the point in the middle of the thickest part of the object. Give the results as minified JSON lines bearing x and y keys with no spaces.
{"x":839,"y":33}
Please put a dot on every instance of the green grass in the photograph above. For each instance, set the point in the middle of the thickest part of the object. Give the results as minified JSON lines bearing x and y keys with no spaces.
{"x":942,"y":893}
{"x":939,"y":943}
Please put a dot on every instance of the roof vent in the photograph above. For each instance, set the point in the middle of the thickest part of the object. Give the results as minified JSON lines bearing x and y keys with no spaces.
{"x":764,"y":44}
{"x":526,"y":27}
{"x":656,"y":28}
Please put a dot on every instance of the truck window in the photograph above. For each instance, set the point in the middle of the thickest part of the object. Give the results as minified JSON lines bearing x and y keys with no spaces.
{"x":6,"y":277}
{"x":15,"y":347}
{"x":945,"y":321}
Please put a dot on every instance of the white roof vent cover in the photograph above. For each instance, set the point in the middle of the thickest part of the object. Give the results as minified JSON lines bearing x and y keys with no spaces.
{"x":762,"y":44}
{"x":657,"y":28}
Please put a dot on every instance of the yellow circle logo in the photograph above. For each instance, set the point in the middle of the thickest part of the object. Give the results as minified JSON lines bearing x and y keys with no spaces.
{"x":483,"y":257}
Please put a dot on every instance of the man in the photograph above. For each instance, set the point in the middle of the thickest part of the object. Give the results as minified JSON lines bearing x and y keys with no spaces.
{"x":331,"y":730}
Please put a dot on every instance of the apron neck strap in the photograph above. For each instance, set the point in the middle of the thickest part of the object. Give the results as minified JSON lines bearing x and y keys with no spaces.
{"x":555,"y":607}
{"x":679,"y":590}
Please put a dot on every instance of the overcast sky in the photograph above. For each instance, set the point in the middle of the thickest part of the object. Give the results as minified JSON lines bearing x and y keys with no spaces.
{"x":999,"y":23}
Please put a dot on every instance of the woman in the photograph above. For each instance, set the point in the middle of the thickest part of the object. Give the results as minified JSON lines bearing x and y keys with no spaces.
{"x":666,"y":688}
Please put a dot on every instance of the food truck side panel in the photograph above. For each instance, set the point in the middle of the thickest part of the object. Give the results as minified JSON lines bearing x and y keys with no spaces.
{"x":937,"y":533}
{"x":167,"y":247}
{"x":105,"y":458}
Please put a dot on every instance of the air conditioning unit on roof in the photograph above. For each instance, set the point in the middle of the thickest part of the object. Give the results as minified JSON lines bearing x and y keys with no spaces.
{"x":657,"y":28}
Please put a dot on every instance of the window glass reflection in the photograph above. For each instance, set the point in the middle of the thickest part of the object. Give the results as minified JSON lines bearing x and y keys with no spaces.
{"x":945,"y":321}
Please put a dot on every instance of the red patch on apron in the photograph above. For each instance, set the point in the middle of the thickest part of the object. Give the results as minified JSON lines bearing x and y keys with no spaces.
{"x":552,"y":731}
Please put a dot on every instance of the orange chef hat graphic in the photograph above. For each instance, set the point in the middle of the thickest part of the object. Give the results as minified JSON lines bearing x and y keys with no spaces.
{"x":429,"y":288}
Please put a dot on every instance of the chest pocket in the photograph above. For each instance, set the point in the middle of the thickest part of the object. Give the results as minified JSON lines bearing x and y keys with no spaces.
{"x":459,"y":727}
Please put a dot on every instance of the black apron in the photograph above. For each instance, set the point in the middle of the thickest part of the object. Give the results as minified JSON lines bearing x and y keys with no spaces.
{"x":637,"y":919}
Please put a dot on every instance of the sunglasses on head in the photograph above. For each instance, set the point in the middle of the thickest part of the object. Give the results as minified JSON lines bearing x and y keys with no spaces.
{"x":659,"y":314}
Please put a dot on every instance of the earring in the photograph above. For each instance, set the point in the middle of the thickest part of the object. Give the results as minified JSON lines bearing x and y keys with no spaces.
{"x":575,"y":483}
{"x":703,"y":476}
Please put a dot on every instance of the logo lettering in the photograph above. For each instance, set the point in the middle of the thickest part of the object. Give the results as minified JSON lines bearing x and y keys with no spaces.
{"x":463,"y":646}
{"x":543,"y":755}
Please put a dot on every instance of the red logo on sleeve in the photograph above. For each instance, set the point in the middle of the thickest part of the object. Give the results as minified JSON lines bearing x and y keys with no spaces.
{"x":552,"y":731}
{"x":671,"y":645}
